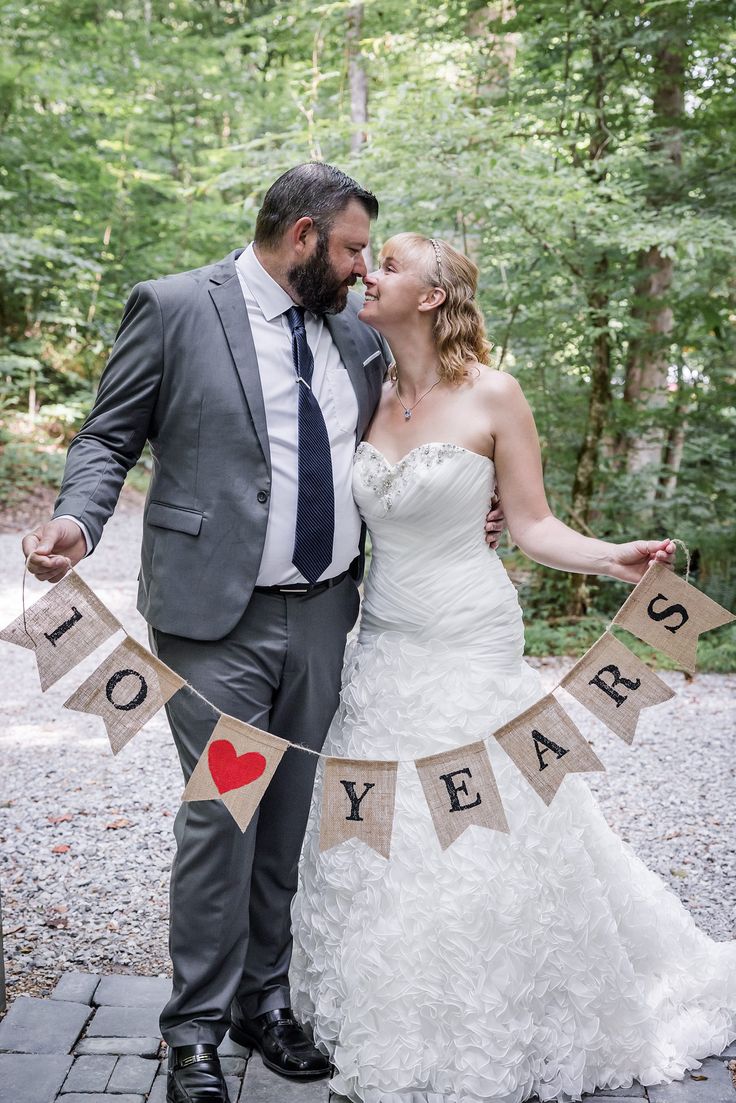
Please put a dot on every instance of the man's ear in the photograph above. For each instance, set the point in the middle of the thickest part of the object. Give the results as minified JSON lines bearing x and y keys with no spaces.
{"x":299,"y":233}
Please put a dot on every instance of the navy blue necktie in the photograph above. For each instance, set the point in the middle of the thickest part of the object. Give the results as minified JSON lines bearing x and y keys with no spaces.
{"x":315,"y":511}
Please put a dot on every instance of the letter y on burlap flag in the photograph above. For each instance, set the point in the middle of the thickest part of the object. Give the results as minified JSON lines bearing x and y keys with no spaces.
{"x":358,"y":803}
{"x":126,"y":691}
{"x":669,"y":614}
{"x":546,"y":746}
{"x":64,"y":626}
{"x":237,"y":766}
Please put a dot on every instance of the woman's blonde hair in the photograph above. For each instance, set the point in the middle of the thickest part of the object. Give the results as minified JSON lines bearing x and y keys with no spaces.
{"x":459,"y":328}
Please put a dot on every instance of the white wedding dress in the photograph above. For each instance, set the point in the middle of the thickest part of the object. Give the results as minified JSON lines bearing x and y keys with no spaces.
{"x":548,"y":961}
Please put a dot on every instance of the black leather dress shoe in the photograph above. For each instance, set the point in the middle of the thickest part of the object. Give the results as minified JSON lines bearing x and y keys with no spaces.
{"x":195,"y":1076}
{"x":282,"y":1043}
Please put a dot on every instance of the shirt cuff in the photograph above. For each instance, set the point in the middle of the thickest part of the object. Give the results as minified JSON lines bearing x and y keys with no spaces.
{"x":83,"y":528}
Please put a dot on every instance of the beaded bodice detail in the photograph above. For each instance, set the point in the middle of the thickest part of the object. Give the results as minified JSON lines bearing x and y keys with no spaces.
{"x":388,"y":480}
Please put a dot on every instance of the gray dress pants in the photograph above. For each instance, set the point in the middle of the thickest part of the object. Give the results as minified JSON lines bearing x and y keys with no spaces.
{"x":231,"y":892}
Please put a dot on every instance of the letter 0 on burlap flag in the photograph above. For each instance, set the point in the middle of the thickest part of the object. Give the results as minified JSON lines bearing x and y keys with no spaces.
{"x":126,"y":690}
{"x":615,"y":685}
{"x":64,"y":626}
{"x":546,"y":746}
{"x":669,"y":613}
{"x":358,"y":803}
{"x":236,"y":765}
{"x":461,"y":792}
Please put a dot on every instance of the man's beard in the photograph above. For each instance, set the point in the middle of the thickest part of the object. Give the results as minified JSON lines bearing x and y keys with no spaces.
{"x":315,"y":283}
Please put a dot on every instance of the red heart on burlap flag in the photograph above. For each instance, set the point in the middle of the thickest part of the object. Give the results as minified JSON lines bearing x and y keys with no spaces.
{"x":229,"y":769}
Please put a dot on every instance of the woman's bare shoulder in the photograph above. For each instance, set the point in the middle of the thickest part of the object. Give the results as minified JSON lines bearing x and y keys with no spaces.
{"x":495,"y":384}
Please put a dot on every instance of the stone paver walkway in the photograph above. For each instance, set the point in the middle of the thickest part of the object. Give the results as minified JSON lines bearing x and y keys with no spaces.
{"x":96,"y":1040}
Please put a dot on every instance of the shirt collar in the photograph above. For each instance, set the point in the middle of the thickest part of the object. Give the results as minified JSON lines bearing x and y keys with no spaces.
{"x":271,"y":298}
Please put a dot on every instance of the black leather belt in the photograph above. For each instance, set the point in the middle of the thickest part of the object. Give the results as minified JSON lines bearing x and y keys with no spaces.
{"x":306,"y":588}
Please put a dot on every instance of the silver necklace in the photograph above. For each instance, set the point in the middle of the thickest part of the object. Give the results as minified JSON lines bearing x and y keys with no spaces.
{"x":408,"y":409}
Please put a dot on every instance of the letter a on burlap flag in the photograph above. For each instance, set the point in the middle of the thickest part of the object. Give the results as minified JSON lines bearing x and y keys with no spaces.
{"x":669,"y":613}
{"x":546,"y":746}
{"x":358,"y":803}
{"x":615,"y":686}
{"x":236,"y":765}
{"x":461,"y":792}
{"x":63,"y":627}
{"x":126,"y":691}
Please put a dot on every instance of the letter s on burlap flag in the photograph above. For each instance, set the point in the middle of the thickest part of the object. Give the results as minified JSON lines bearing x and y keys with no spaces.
{"x":546,"y":746}
{"x":669,"y":613}
{"x":236,"y":766}
{"x":461,"y":792}
{"x":615,"y":686}
{"x":126,"y":691}
{"x":358,"y":803}
{"x":64,"y":626}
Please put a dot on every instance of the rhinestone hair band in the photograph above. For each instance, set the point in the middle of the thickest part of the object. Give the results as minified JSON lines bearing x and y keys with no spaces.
{"x":436,"y":246}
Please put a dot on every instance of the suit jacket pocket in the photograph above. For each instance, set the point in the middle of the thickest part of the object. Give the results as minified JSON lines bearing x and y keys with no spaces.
{"x":178,"y":518}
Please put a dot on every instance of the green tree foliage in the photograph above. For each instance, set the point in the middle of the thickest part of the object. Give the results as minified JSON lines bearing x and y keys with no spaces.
{"x":581,"y":152}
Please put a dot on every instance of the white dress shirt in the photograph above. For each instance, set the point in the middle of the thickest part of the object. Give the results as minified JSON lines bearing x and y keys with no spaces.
{"x":266,"y":301}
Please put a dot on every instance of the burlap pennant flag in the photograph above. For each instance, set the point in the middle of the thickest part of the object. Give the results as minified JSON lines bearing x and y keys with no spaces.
{"x":461,"y":792}
{"x":358,"y":803}
{"x":63,"y":627}
{"x":669,"y":613}
{"x":236,"y":765}
{"x":546,"y":746}
{"x":615,"y":686}
{"x":129,"y":687}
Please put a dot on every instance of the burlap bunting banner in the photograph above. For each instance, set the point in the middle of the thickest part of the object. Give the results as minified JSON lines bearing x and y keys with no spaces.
{"x":546,"y":746}
{"x":668,"y":613}
{"x":237,"y":766}
{"x":461,"y":792}
{"x":64,"y":626}
{"x":126,"y":691}
{"x":358,"y":803}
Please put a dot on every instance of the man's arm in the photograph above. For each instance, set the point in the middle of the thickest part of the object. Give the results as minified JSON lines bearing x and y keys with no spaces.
{"x":108,"y":444}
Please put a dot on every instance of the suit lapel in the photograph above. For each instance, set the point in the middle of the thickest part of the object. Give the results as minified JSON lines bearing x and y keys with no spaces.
{"x":230,"y":305}
{"x":341,"y":333}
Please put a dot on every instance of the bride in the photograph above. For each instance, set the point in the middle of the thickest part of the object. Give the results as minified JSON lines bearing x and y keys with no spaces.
{"x":548,"y":961}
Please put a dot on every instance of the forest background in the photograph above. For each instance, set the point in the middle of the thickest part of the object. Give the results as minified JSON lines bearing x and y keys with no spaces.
{"x":581,"y":151}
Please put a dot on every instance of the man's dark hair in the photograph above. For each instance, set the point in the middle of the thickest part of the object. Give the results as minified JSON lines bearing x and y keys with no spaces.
{"x":313,"y":189}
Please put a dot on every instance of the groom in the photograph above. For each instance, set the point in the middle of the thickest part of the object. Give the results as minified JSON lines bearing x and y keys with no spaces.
{"x":252,"y":379}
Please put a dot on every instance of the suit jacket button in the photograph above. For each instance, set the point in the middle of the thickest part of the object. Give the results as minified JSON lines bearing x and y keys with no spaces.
{"x":262,"y":496}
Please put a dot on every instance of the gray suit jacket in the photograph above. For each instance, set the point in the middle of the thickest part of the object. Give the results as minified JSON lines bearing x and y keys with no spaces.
{"x":183,"y":375}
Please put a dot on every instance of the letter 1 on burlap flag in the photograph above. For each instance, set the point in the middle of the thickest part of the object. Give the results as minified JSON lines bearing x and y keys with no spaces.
{"x":615,"y":685}
{"x":546,"y":746}
{"x":64,"y":626}
{"x":358,"y":803}
{"x":669,"y":613}
{"x":461,"y":792}
{"x":236,"y":766}
{"x":126,"y":690}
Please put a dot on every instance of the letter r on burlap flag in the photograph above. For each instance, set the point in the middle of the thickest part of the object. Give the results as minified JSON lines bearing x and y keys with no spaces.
{"x":546,"y":746}
{"x":64,"y":626}
{"x":461,"y":792}
{"x":615,"y":686}
{"x":358,"y":803}
{"x":669,"y":613}
{"x":126,"y":690}
{"x":236,"y":766}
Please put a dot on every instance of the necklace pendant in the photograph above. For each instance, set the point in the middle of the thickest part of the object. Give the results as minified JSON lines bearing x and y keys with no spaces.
{"x":407,"y":415}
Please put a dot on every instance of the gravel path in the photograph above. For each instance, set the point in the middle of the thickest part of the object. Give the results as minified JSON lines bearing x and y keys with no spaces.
{"x":87,"y":841}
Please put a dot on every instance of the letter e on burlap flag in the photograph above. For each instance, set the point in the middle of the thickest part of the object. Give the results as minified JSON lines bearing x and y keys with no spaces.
{"x":615,"y":686}
{"x":64,"y":626}
{"x":461,"y":792}
{"x":669,"y":613}
{"x":546,"y":746}
{"x":126,"y":691}
{"x":358,"y":803}
{"x":236,"y":766}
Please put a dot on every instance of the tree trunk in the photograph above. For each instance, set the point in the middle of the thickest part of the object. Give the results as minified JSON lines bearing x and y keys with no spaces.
{"x":357,"y":79}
